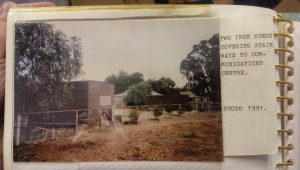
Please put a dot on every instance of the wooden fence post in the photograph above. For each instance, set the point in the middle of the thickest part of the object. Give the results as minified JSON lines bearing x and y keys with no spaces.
{"x":18,"y":130}
{"x":100,"y":118}
{"x":76,"y":121}
{"x":53,"y":133}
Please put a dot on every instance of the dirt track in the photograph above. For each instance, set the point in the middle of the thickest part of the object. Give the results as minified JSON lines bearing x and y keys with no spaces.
{"x":191,"y":137}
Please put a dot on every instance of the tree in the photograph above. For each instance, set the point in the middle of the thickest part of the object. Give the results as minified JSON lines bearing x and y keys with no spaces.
{"x":137,"y":93}
{"x":201,"y":67}
{"x":123,"y":80}
{"x":163,"y":85}
{"x":46,"y":60}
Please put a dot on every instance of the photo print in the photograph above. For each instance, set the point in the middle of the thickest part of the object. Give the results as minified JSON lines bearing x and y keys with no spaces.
{"x":117,"y":90}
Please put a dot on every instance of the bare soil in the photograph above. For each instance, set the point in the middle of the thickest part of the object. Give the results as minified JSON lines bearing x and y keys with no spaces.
{"x":189,"y":137}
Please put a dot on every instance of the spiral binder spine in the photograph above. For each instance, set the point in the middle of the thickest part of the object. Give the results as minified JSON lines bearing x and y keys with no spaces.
{"x":285,"y":70}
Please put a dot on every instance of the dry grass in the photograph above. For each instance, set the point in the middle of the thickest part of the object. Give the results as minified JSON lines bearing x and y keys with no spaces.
{"x":190,"y":137}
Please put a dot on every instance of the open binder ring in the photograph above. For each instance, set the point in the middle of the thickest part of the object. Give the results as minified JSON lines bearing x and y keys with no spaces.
{"x":287,"y":131}
{"x":291,"y":69}
{"x":290,"y":57}
{"x":290,"y":43}
{"x":290,"y":116}
{"x":289,"y":162}
{"x":290,"y":85}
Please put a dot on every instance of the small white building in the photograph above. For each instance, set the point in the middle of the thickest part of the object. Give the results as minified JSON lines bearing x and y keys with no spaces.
{"x":119,"y":99}
{"x":198,"y":102}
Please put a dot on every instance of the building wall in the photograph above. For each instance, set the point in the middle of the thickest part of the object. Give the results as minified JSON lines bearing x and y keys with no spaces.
{"x":80,"y":95}
{"x":167,"y":99}
{"x":100,"y":94}
{"x":86,"y":95}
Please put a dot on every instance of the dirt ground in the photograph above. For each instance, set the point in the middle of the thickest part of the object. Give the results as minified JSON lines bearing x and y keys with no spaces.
{"x":189,"y":137}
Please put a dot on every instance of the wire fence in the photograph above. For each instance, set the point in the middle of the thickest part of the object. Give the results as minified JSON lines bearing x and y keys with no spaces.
{"x":49,"y":123}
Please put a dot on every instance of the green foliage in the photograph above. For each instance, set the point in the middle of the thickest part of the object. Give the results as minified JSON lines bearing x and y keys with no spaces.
{"x":123,"y":80}
{"x":163,"y":86}
{"x":158,"y":111}
{"x":186,"y":107}
{"x":134,"y":116}
{"x":137,"y":94}
{"x":46,"y":60}
{"x":169,"y":108}
{"x":191,"y":134}
{"x":201,"y":67}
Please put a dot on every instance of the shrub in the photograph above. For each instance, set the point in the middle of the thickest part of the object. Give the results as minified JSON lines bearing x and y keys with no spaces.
{"x":184,"y":108}
{"x":187,"y":107}
{"x":191,"y":134}
{"x":180,"y":111}
{"x":169,"y":108}
{"x":158,"y":111}
{"x":134,"y":116}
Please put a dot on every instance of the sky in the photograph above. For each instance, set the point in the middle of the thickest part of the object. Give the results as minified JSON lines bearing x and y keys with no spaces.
{"x":153,"y":47}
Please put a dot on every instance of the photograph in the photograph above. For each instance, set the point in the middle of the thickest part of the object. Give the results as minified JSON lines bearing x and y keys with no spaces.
{"x":108,"y":90}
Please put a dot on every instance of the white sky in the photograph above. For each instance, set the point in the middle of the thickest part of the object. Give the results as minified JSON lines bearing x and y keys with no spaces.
{"x":153,"y":47}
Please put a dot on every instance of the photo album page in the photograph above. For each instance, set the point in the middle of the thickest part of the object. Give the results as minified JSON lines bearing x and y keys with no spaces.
{"x":127,"y":87}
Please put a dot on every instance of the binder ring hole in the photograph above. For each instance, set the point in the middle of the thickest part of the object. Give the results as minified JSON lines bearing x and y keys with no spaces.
{"x":290,"y":101}
{"x":290,"y":43}
{"x":290,"y":146}
{"x":290,"y":58}
{"x":290,"y":72}
{"x":290,"y":87}
{"x":290,"y":161}
{"x":290,"y":29}
{"x":290,"y":117}
{"x":290,"y":132}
